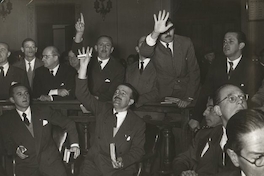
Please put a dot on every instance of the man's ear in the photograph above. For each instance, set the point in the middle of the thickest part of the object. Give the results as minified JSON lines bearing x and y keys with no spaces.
{"x":22,"y":49}
{"x":11,"y":99}
{"x":131,"y":101}
{"x":95,"y":47}
{"x":241,"y":45}
{"x":137,"y":49}
{"x":217,"y":110}
{"x":233,"y":156}
{"x":8,"y":54}
{"x":112,"y":49}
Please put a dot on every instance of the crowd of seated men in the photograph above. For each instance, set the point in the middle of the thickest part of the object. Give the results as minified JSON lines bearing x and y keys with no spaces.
{"x":166,"y":70}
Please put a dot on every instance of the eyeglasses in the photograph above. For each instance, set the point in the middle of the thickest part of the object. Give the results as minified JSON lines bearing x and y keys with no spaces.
{"x":259,"y":162}
{"x":234,"y":98}
{"x":47,"y":56}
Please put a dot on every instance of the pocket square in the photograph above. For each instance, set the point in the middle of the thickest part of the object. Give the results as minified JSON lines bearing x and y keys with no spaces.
{"x":128,"y":138}
{"x":13,"y":83}
{"x":62,"y":84}
{"x":45,"y":122}
{"x":107,"y":80}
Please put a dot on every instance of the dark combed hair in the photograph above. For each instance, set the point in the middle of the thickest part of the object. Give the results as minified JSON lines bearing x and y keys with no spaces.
{"x":241,"y":36}
{"x":106,"y":36}
{"x":27,"y":40}
{"x":135,"y":94}
{"x":12,"y":87}
{"x":243,"y":122}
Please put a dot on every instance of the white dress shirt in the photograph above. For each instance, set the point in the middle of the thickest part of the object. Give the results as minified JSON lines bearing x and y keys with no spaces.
{"x":235,"y":63}
{"x":104,"y":62}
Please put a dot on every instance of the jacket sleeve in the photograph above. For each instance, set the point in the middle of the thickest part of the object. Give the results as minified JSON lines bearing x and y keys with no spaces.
{"x":193,"y":71}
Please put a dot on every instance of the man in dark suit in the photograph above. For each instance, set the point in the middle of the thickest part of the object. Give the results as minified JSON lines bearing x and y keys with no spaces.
{"x":245,"y":132}
{"x":242,"y":73}
{"x":54,"y":81}
{"x":30,"y":63}
{"x":27,"y":135}
{"x":142,"y":76}
{"x":105,"y":72}
{"x":8,"y":73}
{"x":178,"y":73}
{"x":119,"y":134}
{"x":205,"y":157}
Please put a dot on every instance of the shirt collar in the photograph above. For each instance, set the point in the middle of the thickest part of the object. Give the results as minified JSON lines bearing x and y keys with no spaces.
{"x":104,"y":62}
{"x":6,"y":67}
{"x":235,"y":62}
{"x":146,"y":61}
{"x":28,"y":112}
{"x":55,"y":70}
{"x":242,"y":173}
{"x":120,"y":117}
{"x":32,"y":63}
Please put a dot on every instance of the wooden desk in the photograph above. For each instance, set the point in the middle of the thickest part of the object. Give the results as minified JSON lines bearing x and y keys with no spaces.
{"x":161,"y":115}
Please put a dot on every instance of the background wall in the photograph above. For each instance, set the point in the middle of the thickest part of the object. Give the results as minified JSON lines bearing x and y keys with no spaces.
{"x":130,"y":19}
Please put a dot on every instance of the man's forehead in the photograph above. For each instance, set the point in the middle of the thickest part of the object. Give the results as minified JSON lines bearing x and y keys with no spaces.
{"x":46,"y":51}
{"x":230,"y":90}
{"x":29,"y":43}
{"x":2,"y":45}
{"x":104,"y":40}
{"x":20,"y":89}
{"x":124,"y":88}
{"x":230,"y":35}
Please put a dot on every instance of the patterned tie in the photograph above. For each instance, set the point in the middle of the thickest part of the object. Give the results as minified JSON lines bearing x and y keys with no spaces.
{"x":2,"y":71}
{"x":52,"y":72}
{"x":231,"y":69}
{"x":141,"y":67}
{"x":26,"y":121}
{"x":30,"y":74}
{"x":168,"y":48}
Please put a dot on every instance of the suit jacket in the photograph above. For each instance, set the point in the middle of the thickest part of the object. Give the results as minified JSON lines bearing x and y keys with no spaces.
{"x":14,"y":74}
{"x":41,"y":148}
{"x":177,"y":75}
{"x":211,"y":162}
{"x":244,"y":76}
{"x":230,"y":172}
{"x":103,"y":83}
{"x":64,"y":79}
{"x":22,"y":64}
{"x":129,"y":139}
{"x":144,"y":83}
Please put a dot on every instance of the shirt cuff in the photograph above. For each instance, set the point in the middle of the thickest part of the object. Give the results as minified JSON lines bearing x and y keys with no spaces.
{"x":75,"y":145}
{"x":53,"y":92}
{"x":150,"y":41}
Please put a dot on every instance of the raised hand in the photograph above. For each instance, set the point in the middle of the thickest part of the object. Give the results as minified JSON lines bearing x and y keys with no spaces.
{"x":80,"y":25}
{"x":160,"y":22}
{"x":84,"y":57}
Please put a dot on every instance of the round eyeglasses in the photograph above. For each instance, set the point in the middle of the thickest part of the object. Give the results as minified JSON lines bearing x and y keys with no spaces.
{"x":259,"y":162}
{"x":234,"y":98}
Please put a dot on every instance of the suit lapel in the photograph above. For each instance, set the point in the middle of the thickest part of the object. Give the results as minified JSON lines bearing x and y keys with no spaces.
{"x":177,"y":55}
{"x":108,"y":125}
{"x":124,"y":130}
{"x":37,"y":127}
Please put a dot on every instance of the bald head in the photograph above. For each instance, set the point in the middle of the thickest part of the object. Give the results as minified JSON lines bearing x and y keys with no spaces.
{"x":4,"y":53}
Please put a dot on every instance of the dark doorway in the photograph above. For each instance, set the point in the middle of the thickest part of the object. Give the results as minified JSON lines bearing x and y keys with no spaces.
{"x":55,"y":25}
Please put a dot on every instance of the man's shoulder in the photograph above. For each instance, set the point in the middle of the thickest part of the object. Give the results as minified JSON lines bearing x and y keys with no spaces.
{"x":180,"y":38}
{"x":132,"y":66}
{"x":116,"y":62}
{"x":206,"y":132}
{"x":20,"y":64}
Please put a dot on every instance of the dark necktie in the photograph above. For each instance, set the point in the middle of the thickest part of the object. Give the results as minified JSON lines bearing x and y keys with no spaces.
{"x":231,"y":69}
{"x":168,"y":48}
{"x":2,"y":71}
{"x":30,"y":74}
{"x":51,"y":72}
{"x":100,"y":64}
{"x":26,"y":121}
{"x":141,"y":67}
{"x":115,"y":119}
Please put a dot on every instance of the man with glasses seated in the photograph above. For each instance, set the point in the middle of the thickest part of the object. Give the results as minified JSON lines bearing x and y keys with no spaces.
{"x":53,"y":81}
{"x":206,"y":156}
{"x":245,"y":145}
